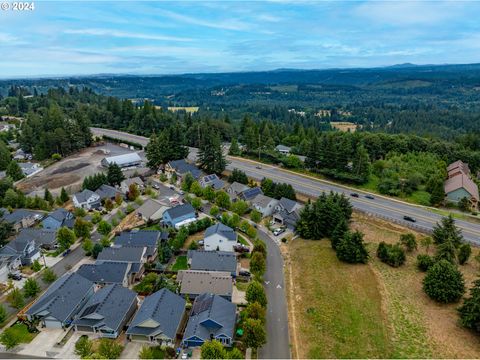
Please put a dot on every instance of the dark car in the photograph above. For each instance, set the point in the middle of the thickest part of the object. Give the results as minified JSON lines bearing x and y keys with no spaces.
{"x":66,"y":252}
{"x":258,"y":167}
{"x":244,"y":273}
{"x":15,"y":276}
{"x":371,"y":197}
{"x":354,"y":195}
{"x":409,"y":218}
{"x":241,"y":248}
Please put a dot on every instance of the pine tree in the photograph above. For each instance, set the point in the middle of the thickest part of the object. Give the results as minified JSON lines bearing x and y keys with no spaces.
{"x":234,"y":148}
{"x":470,"y":310}
{"x":14,"y":171}
{"x":64,"y":195}
{"x":114,"y":175}
{"x":210,"y":154}
{"x":47,"y":196}
{"x":447,"y":230}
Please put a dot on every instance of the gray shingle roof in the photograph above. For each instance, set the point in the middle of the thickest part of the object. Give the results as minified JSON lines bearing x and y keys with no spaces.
{"x":138,"y":238}
{"x":237,"y":188}
{"x":214,"y":308}
{"x":223,"y":230}
{"x":19,"y":214}
{"x":121,"y":254}
{"x":107,"y":192}
{"x":105,"y":273}
{"x":249,"y":194}
{"x":40,"y":236}
{"x":211,"y":180}
{"x":213,"y":260}
{"x":60,"y":214}
{"x":111,"y":304}
{"x":84,"y":195}
{"x":165,"y":308}
{"x":282,"y":148}
{"x":195,"y":282}
{"x":183,"y":167}
{"x":262,"y":200}
{"x":180,"y":210}
{"x":62,"y":297}
{"x":287,"y":204}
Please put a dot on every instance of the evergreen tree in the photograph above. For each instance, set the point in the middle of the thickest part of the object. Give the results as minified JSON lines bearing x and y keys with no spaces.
{"x":14,"y":171}
{"x":447,"y":230}
{"x":47,"y":196}
{"x":238,"y":176}
{"x":351,"y":248}
{"x":64,"y":195}
{"x":234,"y":148}
{"x":446,"y":251}
{"x":114,"y":175}
{"x":443,"y":282}
{"x":5,"y":156}
{"x":338,"y":233}
{"x":470,"y":310}
{"x":464,"y":252}
{"x":210,"y":155}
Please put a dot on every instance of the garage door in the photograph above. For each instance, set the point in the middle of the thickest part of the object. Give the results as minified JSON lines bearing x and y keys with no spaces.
{"x":53,"y":324}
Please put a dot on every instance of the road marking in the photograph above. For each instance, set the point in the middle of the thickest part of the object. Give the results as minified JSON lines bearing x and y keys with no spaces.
{"x":278,"y":286}
{"x":267,"y":282}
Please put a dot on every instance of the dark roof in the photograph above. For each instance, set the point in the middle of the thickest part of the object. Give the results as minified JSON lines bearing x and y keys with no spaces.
{"x":180,"y":210}
{"x":211,"y":180}
{"x":19,"y":214}
{"x":183,"y":167}
{"x":163,"y":307}
{"x":121,"y":254}
{"x":105,"y":273}
{"x":40,"y":236}
{"x":107,"y":192}
{"x":16,"y":246}
{"x":62,"y":297}
{"x":84,"y":195}
{"x":60,"y":214}
{"x":223,"y":230}
{"x":249,"y":194}
{"x":213,"y":260}
{"x":111,"y":304}
{"x":214,"y":308}
{"x":287,"y":204}
{"x":148,"y":238}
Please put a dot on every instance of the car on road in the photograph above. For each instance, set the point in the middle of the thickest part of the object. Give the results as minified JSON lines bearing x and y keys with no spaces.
{"x":66,"y":252}
{"x":171,"y":187}
{"x":181,"y":192}
{"x":258,"y":167}
{"x":409,"y":218}
{"x":15,"y":276}
{"x":155,"y":186}
{"x":354,"y":195}
{"x":371,"y":197}
{"x":278,"y":231}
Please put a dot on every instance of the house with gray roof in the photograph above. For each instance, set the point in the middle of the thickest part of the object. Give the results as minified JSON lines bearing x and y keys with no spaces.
{"x":86,"y":199}
{"x":220,"y":237}
{"x":22,"y":248}
{"x":134,"y":255}
{"x":151,"y":210}
{"x":213,"y":261}
{"x":179,"y":215}
{"x":148,"y":239}
{"x":250,"y":193}
{"x":64,"y":299}
{"x":282,"y":149}
{"x":196,"y":282}
{"x":159,"y":319}
{"x":58,"y":218}
{"x":30,"y":169}
{"x":264,"y":204}
{"x":181,"y":168}
{"x":22,"y":218}
{"x":44,"y":238}
{"x":125,"y":184}
{"x":211,"y":180}
{"x":107,"y":192}
{"x":106,"y":273}
{"x":287,"y":212}
{"x":235,"y":189}
{"x":211,"y":317}
{"x":107,"y":311}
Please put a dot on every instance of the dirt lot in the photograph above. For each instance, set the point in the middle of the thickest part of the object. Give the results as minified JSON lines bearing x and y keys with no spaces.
{"x":374,"y":310}
{"x":71,"y":171}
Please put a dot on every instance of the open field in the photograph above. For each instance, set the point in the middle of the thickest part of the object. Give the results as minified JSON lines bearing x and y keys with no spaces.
{"x":344,"y":126}
{"x":374,"y":310}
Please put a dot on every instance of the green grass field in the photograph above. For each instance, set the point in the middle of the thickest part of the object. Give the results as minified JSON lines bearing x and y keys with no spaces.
{"x":180,"y":263}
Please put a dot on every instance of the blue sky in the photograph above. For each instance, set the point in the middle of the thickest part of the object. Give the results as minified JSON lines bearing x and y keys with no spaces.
{"x":73,"y":37}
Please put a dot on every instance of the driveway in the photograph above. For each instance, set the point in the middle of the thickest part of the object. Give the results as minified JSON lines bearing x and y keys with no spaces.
{"x":131,"y":350}
{"x":44,"y":343}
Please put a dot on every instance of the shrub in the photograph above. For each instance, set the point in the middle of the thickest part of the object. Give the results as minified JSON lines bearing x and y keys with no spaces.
{"x":10,"y":338}
{"x":109,"y":349}
{"x":470,"y":310}
{"x":48,"y":275}
{"x":424,"y":262}
{"x":464,"y":253}
{"x":83,"y":347}
{"x":392,"y":255}
{"x":31,"y":288}
{"x":3,"y":314}
{"x":256,"y":293}
{"x":444,"y":283}
{"x":351,"y":248}
{"x":129,"y":209}
{"x":409,"y":241}
{"x":256,"y":216}
{"x":212,"y":349}
{"x":36,"y":266}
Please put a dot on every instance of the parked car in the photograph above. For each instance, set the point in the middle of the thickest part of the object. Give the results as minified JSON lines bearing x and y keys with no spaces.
{"x":371,"y":197}
{"x":171,"y":187}
{"x":409,"y":218}
{"x":15,"y":276}
{"x":155,"y":186}
{"x":181,"y":192}
{"x":278,"y":231}
{"x":66,"y":252}
{"x":354,"y":195}
{"x":241,"y":248}
{"x":244,"y":273}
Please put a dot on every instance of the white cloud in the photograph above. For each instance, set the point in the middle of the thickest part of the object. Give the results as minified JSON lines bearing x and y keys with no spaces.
{"x":124,"y":34}
{"x":230,"y":24}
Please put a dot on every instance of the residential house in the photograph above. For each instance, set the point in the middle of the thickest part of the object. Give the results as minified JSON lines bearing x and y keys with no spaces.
{"x":58,"y":218}
{"x":287,"y":212}
{"x":125,"y":184}
{"x":282,"y":149}
{"x":181,"y":168}
{"x":123,"y":161}
{"x":107,"y":273}
{"x":211,"y":318}
{"x":179,"y":215}
{"x":235,"y":189}
{"x":86,"y":199}
{"x":151,"y":210}
{"x":250,"y":193}
{"x":213,"y":261}
{"x":159,"y":319}
{"x":5,"y":269}
{"x":64,"y":299}
{"x":220,"y":237}
{"x":264,"y":204}
{"x":196,"y":282}
{"x":107,"y":311}
{"x":30,"y":169}
{"x":133,"y":255}
{"x":211,"y":180}
{"x":459,"y":185}
{"x":22,"y":218}
{"x":23,"y":248}
{"x":148,"y":239}
{"x":44,"y":238}
{"x":107,"y":192}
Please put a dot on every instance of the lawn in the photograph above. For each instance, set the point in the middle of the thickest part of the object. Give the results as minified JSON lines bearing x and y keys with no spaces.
{"x":180,"y":263}
{"x":242,"y":241}
{"x":22,"y":334}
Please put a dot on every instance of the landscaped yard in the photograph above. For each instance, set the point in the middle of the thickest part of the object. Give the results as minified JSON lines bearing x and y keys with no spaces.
{"x":242,"y":241}
{"x":374,"y":310}
{"x":22,"y":334}
{"x":180,"y":263}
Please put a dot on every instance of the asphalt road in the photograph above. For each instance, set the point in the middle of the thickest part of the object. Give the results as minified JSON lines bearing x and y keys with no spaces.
{"x":382,"y":207}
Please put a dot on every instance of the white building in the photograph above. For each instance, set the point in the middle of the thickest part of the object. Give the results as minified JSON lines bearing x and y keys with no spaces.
{"x":220,"y":237}
{"x":124,"y":160}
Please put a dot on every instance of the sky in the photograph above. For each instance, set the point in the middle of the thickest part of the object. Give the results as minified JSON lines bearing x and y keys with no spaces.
{"x":92,"y":37}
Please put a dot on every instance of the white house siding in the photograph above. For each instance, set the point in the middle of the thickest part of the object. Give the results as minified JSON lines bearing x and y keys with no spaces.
{"x":217,"y":242}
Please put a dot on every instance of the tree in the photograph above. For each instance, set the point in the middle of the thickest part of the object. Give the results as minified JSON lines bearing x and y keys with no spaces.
{"x":444,"y":283}
{"x":84,"y":347}
{"x":3,"y":314}
{"x":351,"y":248}
{"x":256,"y":216}
{"x":31,"y":288}
{"x":424,"y":262}
{"x":209,"y":194}
{"x":234,"y":353}
{"x":10,"y":338}
{"x":260,"y":247}
{"x":97,"y":249}
{"x":239,"y":207}
{"x":446,"y":251}
{"x":64,"y":195}
{"x":447,"y":230}
{"x":104,"y":227}
{"x":258,"y":264}
{"x":48,"y":197}
{"x":16,"y":299}
{"x":409,"y":241}
{"x":426,"y":242}
{"x":118,"y":199}
{"x":11,"y":198}
{"x":87,"y":246}
{"x":212,"y":349}
{"x":14,"y":171}
{"x":196,"y":189}
{"x":339,"y":233}
{"x":214,"y":210}
{"x":238,"y":176}
{"x":5,"y":156}
{"x":234,"y":148}
{"x":256,"y":293}
{"x":82,"y":228}
{"x":65,"y":237}
{"x":210,"y":154}
{"x":255,"y":311}
{"x":392,"y":255}
{"x":222,"y":200}
{"x":196,"y":203}
{"x":6,"y":230}
{"x":114,"y":175}
{"x":187,"y":182}
{"x":48,"y":275}
{"x":133,"y":192}
{"x":470,"y":310}
{"x":109,"y":349}
{"x":254,"y":334}
{"x":464,"y":252}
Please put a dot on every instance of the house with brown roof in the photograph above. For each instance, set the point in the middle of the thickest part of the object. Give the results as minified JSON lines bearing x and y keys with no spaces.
{"x":459,"y":185}
{"x":196,"y":282}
